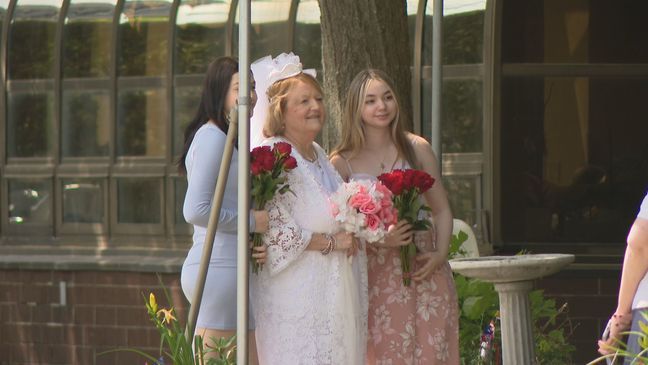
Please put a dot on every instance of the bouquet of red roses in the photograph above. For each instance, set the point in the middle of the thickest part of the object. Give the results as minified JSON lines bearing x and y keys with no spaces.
{"x":268,"y":165}
{"x":407,"y":187}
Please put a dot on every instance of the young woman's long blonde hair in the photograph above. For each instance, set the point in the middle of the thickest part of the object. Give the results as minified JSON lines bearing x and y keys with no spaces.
{"x":352,"y":137}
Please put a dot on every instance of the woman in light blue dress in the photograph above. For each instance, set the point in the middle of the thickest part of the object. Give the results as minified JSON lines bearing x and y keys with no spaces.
{"x":200,"y":161}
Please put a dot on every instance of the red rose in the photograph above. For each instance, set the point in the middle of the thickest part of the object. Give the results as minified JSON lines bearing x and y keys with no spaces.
{"x":282,"y":148}
{"x":398,"y":186}
{"x":409,"y":176}
{"x":423,"y":181}
{"x":261,"y":160}
{"x":268,"y":161}
{"x":393,"y":181}
{"x":290,"y":163}
{"x":256,"y":168}
{"x":258,"y":151}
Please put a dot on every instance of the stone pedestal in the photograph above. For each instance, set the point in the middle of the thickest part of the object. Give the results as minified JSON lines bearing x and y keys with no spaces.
{"x":515,"y":322}
{"x":512,"y":277}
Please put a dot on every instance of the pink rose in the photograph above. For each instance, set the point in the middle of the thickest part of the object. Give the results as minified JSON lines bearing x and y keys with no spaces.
{"x":386,"y":202}
{"x":359,"y":200}
{"x":389,"y":216}
{"x":386,"y":215}
{"x":372,"y":221}
{"x":369,"y":207}
{"x":387,"y":194}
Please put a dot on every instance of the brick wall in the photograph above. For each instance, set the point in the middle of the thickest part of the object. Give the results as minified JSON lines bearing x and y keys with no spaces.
{"x":105,"y":310}
{"x":101,"y":311}
{"x":591,"y":296}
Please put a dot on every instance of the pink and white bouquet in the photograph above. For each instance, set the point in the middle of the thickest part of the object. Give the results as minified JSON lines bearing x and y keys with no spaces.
{"x":364,"y":208}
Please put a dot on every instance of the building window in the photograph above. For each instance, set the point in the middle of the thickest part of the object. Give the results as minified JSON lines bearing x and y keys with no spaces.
{"x":574,"y":157}
{"x":462,"y":121}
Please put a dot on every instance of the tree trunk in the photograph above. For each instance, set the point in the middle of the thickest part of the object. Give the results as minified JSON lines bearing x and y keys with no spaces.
{"x":358,"y":34}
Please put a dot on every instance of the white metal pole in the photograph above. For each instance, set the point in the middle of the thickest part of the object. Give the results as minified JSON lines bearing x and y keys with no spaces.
{"x":437,"y":77}
{"x":242,"y":265}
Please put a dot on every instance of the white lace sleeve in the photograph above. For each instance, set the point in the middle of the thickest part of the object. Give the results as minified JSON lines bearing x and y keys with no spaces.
{"x":285,"y":239}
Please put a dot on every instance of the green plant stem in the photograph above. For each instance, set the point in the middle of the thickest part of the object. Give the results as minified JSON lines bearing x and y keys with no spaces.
{"x":405,"y":264}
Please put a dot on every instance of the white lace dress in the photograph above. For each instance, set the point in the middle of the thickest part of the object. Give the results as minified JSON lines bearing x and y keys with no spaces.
{"x":309,"y":308}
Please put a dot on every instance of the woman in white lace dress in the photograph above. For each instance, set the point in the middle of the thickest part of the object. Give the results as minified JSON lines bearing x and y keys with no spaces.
{"x":308,"y":306}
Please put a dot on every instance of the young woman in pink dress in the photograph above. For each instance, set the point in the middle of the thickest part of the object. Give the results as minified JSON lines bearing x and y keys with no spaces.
{"x":407,"y":325}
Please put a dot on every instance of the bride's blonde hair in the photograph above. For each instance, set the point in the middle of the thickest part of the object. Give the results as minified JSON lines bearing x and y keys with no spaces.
{"x":352,"y":137}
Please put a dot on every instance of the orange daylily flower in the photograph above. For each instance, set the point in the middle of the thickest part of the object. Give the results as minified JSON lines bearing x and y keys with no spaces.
{"x":168,"y":315}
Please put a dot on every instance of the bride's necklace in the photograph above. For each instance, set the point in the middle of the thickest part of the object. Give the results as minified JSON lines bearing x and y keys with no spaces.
{"x":313,"y":160}
{"x":310,"y":159}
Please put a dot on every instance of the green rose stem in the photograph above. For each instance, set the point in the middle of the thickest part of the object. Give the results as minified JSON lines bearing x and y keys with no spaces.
{"x":408,"y":206}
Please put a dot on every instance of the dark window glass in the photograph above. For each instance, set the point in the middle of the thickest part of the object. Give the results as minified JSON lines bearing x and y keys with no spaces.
{"x":574,"y":158}
{"x":269,"y":28}
{"x":180,"y":189}
{"x":308,"y":34}
{"x":87,"y":39}
{"x":461,"y":122}
{"x":138,"y":201}
{"x":31,"y":39}
{"x":83,"y":201}
{"x":558,"y":31}
{"x":3,"y":12}
{"x":143,"y":38}
{"x":463,"y":32}
{"x":30,"y":123}
{"x":186,"y":103}
{"x":462,"y":192}
{"x":200,"y":34}
{"x":30,"y":202}
{"x":85,"y":122}
{"x":141,"y":126}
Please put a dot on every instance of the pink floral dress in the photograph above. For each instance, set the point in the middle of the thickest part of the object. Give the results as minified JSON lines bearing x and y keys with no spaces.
{"x":413,"y":325}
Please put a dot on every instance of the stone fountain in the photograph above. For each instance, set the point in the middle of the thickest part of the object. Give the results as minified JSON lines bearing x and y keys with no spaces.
{"x":512,"y":277}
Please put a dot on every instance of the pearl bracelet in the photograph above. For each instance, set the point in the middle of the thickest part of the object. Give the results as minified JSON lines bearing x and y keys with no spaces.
{"x":330,"y":246}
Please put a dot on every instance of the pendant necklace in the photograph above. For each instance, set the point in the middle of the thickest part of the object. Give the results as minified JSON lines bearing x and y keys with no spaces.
{"x":382,"y":163}
{"x":314,"y":160}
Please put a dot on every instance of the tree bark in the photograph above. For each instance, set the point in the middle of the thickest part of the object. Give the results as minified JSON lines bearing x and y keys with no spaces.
{"x":358,"y":34}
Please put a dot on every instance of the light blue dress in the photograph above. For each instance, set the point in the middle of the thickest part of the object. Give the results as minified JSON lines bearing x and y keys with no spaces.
{"x":218,"y":306}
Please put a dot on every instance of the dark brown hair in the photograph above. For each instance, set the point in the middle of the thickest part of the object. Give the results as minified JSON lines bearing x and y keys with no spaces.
{"x":212,"y":102}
